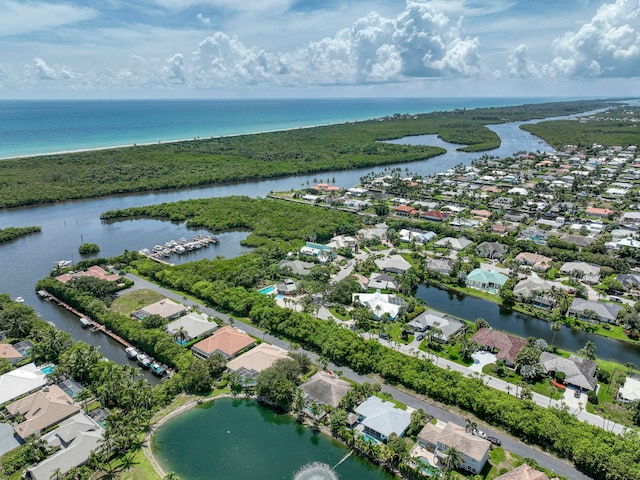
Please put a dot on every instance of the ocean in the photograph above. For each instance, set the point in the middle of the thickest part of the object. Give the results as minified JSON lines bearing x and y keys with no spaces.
{"x":33,"y":127}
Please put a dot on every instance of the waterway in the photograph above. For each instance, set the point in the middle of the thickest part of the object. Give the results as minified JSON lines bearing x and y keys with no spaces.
{"x":523,"y":325}
{"x":227,"y":439}
{"x":67,"y":225}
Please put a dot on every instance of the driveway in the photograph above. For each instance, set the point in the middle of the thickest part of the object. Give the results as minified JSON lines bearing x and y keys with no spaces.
{"x":480,"y":359}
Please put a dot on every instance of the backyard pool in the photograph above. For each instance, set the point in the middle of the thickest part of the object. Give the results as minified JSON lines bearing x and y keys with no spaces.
{"x":47,"y":370}
{"x":267,"y":290}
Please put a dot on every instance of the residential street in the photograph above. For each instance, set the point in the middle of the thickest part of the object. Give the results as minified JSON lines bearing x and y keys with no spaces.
{"x":508,"y":442}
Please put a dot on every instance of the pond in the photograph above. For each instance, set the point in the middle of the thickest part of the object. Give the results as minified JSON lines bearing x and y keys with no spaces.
{"x":234,"y":438}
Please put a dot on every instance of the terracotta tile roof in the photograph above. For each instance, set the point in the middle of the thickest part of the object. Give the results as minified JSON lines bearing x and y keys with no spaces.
{"x":226,"y":340}
{"x":8,"y":352}
{"x":258,"y":359}
{"x":508,"y":346}
{"x":523,"y":472}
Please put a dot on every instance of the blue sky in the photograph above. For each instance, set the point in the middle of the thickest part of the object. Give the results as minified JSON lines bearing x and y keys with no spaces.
{"x":303,"y":48}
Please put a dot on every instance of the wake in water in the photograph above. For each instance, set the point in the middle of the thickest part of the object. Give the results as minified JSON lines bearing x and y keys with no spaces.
{"x":315,"y":471}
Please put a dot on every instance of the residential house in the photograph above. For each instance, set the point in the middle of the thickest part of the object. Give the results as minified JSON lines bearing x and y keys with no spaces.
{"x":95,"y":271}
{"x":433,"y":216}
{"x":598,"y":212}
{"x":505,"y":346}
{"x":298,"y":267}
{"x":166,"y":308}
{"x":323,"y":253}
{"x":383,"y":281}
{"x":251,"y":363}
{"x":488,"y":280}
{"x":628,"y":280}
{"x":191,"y":326}
{"x":535,"y":290}
{"x":455,"y":243}
{"x":9,"y":353}
{"x":448,"y":327}
{"x":579,"y":372}
{"x":25,"y":347}
{"x":42,"y":410}
{"x":287,"y":287}
{"x":380,"y":418}
{"x":343,"y":241}
{"x":393,"y":264}
{"x":492,"y":250}
{"x":523,"y":472}
{"x":537,"y":236}
{"x":537,"y":262}
{"x":484,"y":214}
{"x":586,"y":272}
{"x":74,"y":439}
{"x":473,"y":449}
{"x":593,"y":311}
{"x":325,"y":388}
{"x":441,"y":265}
{"x":228,"y":341}
{"x":631,"y":219}
{"x":405,"y":211}
{"x":377,"y":233}
{"x":19,"y":381}
{"x":415,"y":236}
{"x":630,"y":391}
{"x":579,"y":240}
{"x":382,"y":305}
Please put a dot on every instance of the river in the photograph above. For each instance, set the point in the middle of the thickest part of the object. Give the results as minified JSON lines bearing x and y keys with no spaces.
{"x":67,"y":225}
{"x":227,"y":437}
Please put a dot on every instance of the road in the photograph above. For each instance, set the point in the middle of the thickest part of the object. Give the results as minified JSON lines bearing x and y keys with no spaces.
{"x":508,"y":443}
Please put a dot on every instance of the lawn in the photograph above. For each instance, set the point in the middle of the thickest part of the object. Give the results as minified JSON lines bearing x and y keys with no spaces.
{"x":132,"y":301}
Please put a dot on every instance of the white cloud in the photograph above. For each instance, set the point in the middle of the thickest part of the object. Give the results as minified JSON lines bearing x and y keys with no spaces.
{"x":519,"y":64}
{"x":30,"y":16}
{"x":203,"y":19}
{"x":44,"y":71}
{"x":607,"y":46}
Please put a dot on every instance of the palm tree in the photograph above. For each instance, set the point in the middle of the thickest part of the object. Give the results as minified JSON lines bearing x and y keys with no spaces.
{"x":453,"y":460}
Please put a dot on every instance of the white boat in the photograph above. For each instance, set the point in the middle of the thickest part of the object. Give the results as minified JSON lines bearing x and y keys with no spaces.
{"x":85,"y":322}
{"x":19,"y":300}
{"x":131,"y":352}
{"x":62,"y":263}
{"x":143,"y":360}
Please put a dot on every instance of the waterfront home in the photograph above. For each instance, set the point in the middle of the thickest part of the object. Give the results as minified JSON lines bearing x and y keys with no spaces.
{"x":537,"y":262}
{"x":379,"y":419}
{"x":382,"y":305}
{"x":323,"y":253}
{"x":297,"y":267}
{"x":506,"y":347}
{"x":441,"y":265}
{"x":630,"y":391}
{"x":488,"y":280}
{"x":393,"y":264}
{"x":523,"y":472}
{"x":439,"y":438}
{"x":382,"y":281}
{"x":325,"y":388}
{"x":191,"y":326}
{"x":95,"y":271}
{"x":492,"y":250}
{"x":251,"y":363}
{"x":593,"y":311}
{"x":586,"y":272}
{"x":42,"y":410}
{"x":166,"y":308}
{"x":25,"y":379}
{"x":74,"y":440}
{"x":9,"y":353}
{"x":228,"y":341}
{"x":428,"y":320}
{"x":579,"y":372}
{"x":535,"y":290}
{"x":287,"y":287}
{"x":455,"y":243}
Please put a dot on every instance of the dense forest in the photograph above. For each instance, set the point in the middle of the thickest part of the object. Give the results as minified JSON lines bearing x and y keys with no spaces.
{"x":11,"y":233}
{"x":614,"y":127}
{"x":53,"y":178}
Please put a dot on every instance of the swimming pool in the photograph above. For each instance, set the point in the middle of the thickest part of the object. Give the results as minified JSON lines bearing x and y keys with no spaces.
{"x":49,"y":369}
{"x":267,"y":290}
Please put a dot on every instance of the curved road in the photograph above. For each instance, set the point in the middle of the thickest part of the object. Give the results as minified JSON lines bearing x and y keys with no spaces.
{"x":508,"y":443}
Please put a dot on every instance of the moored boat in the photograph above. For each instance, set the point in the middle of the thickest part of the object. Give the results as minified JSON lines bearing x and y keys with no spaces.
{"x":143,"y":360}
{"x":131,"y":352}
{"x":19,"y":300}
{"x":157,"y":369}
{"x":85,"y":322}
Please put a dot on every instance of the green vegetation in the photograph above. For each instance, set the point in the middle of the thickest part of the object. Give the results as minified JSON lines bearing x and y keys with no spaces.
{"x":132,"y":301}
{"x":11,"y":233}
{"x":53,"y":178}
{"x":608,"y":129}
{"x":88,"y":248}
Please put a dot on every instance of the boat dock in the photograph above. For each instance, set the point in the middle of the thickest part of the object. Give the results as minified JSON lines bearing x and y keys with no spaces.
{"x":95,"y":326}
{"x":178,"y":247}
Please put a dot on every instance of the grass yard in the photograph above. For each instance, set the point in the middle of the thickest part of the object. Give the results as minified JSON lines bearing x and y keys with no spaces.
{"x":132,"y":301}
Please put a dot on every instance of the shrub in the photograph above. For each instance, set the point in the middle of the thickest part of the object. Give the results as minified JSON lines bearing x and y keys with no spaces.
{"x":592,"y":397}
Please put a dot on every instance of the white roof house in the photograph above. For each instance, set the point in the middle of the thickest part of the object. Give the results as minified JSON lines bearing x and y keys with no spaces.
{"x":380,"y":304}
{"x":194,"y":325}
{"x":380,"y":418}
{"x":455,"y":243}
{"x":76,"y":438}
{"x":393,"y":264}
{"x":20,"y":381}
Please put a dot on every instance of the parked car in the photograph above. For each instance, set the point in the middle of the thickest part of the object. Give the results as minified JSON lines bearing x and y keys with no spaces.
{"x":384,"y":335}
{"x":420,"y":336}
{"x":494,"y":440}
{"x":577,"y":393}
{"x":479,"y":433}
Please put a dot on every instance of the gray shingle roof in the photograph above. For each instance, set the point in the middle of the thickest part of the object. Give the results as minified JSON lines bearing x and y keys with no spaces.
{"x":578,"y":371}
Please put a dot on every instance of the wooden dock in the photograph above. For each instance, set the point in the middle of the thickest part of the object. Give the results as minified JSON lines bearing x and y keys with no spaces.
{"x":95,"y":326}
{"x":159,"y":260}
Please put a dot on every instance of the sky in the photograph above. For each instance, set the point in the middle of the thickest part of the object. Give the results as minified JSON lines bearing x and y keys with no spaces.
{"x":318,"y":48}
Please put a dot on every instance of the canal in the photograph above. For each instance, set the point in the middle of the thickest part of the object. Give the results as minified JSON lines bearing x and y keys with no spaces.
{"x":227,"y":436}
{"x":523,"y":325}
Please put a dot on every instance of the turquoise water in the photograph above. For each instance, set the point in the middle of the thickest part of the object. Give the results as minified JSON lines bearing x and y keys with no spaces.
{"x":48,"y":369}
{"x":29,"y":127}
{"x":267,"y":290}
{"x":237,"y":439}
